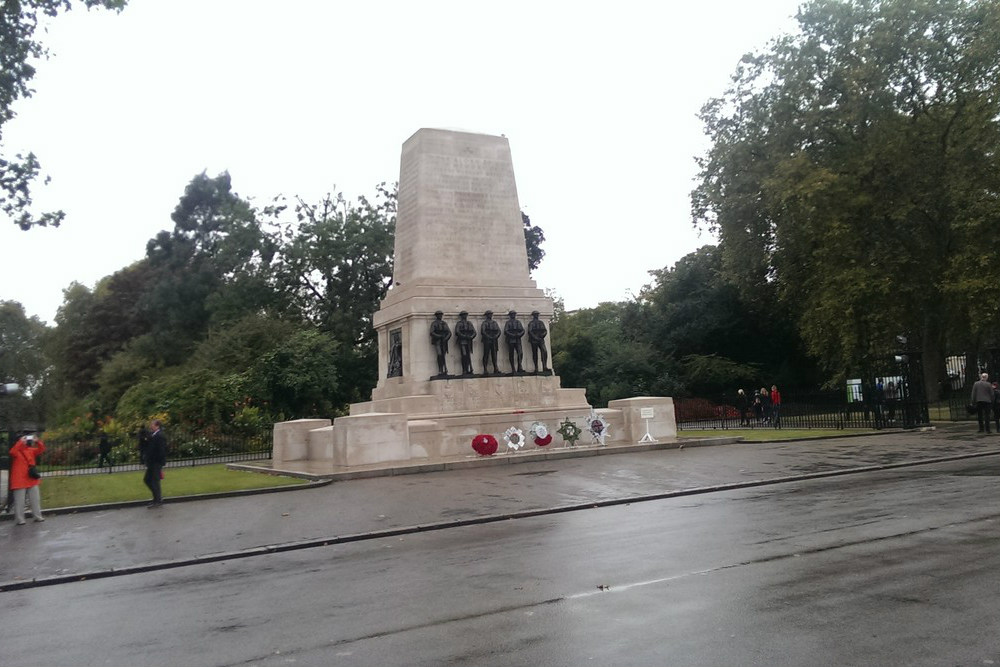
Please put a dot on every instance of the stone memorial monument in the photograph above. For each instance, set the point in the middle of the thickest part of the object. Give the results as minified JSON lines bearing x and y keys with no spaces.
{"x":459,"y":252}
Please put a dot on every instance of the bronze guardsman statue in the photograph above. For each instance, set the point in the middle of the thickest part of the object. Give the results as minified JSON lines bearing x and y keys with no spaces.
{"x":513,"y":332}
{"x":490,"y":330}
{"x":440,"y":333}
{"x":536,"y":336}
{"x":465,"y":331}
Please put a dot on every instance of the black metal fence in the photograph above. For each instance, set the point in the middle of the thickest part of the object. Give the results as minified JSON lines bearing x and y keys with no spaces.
{"x":83,"y":456}
{"x":962,"y":371}
{"x":888,"y":394}
{"x":800,"y":410}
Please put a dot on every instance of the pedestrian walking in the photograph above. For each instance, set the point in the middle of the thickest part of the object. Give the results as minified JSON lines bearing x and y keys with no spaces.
{"x":155,"y":457}
{"x":104,"y":447}
{"x":765,"y":405}
{"x":743,"y":405}
{"x":891,"y":394}
{"x":775,"y":406}
{"x":982,"y":397}
{"x":24,"y":477}
{"x":879,"y":396}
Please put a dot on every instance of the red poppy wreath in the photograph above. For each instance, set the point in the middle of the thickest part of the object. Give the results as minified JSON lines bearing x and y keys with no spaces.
{"x":485,"y":444}
{"x":541,"y":433}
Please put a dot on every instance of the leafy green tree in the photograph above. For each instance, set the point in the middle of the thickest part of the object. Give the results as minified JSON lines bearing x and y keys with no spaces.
{"x":853,"y":176}
{"x":75,"y":345}
{"x":22,"y":361}
{"x":299,"y":377}
{"x":534,"y":237}
{"x":19,"y":20}
{"x":336,"y":263}
{"x":696,"y":316}
{"x":92,"y":326}
{"x":333,"y":268}
{"x":594,"y":349}
{"x":212,"y":268}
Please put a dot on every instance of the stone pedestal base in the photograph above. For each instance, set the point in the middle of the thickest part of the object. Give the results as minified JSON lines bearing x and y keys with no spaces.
{"x":368,"y":438}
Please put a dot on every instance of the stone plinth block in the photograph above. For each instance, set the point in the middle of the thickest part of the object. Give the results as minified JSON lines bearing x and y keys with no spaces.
{"x":291,"y":439}
{"x":370,"y":438}
{"x":662,"y":425}
{"x":474,"y":396}
{"x":458,"y":221}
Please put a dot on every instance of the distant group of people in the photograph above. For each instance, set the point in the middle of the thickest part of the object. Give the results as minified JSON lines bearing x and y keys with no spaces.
{"x":23,"y":492}
{"x":762,"y":407}
{"x":986,"y":399}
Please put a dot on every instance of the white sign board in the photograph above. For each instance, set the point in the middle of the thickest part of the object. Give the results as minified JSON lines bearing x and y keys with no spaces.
{"x":645,"y":413}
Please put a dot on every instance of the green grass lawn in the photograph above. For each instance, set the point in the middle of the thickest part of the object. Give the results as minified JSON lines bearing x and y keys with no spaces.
{"x":757,"y":434}
{"x":121,"y":486}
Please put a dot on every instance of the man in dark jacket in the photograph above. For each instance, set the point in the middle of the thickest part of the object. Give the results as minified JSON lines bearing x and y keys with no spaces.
{"x":743,"y":405}
{"x":104,"y":447}
{"x":156,"y":458}
{"x":982,"y":396}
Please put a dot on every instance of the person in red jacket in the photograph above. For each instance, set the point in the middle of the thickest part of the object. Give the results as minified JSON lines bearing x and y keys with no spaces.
{"x":775,"y":406}
{"x":23,"y":456}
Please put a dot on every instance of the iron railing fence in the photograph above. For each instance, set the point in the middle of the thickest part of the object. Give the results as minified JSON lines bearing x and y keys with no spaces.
{"x":962,"y":371}
{"x":184,"y":448}
{"x":805,"y":410}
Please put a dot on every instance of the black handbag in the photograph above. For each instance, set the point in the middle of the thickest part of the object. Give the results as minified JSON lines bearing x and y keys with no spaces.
{"x":33,"y":473}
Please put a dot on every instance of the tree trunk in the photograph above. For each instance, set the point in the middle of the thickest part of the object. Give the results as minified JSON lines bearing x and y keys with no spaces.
{"x":932,"y":357}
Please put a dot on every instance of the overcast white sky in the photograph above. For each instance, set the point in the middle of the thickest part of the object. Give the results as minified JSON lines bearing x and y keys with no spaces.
{"x":598,"y":100}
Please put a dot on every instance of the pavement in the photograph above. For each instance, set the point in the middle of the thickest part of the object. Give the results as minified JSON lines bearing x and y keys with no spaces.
{"x":116,"y":541}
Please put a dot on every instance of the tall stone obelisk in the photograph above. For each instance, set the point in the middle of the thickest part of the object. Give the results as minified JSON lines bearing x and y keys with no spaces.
{"x":459,"y":246}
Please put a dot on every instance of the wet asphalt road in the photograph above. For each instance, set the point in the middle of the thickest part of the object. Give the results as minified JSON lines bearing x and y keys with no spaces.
{"x":890,"y":568}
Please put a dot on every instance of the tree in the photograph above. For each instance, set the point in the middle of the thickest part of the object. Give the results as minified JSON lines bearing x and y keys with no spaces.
{"x":594,"y":348}
{"x":212,"y":268}
{"x":19,"y":19}
{"x":22,"y":361}
{"x":853,"y":176}
{"x":335,"y":263}
{"x":695,"y":315}
{"x":534,"y":237}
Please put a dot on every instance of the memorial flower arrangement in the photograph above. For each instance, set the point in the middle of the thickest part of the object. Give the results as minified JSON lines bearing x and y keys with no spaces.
{"x":485,"y":444}
{"x":514,"y":438}
{"x":541,"y":433}
{"x":598,"y":427}
{"x":570,"y":432}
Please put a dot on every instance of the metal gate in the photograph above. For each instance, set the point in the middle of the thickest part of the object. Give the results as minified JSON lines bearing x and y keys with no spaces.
{"x":962,"y":370}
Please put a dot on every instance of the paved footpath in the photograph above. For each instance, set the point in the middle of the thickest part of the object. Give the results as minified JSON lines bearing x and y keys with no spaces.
{"x":93,"y":542}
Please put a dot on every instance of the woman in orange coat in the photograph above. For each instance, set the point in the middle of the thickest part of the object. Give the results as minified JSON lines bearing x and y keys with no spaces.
{"x":23,"y":455}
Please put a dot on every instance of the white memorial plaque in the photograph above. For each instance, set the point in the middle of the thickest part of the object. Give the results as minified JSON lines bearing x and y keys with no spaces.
{"x":645,"y":413}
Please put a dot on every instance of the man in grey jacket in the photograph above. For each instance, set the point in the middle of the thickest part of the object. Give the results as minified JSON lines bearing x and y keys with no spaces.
{"x":982,"y":396}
